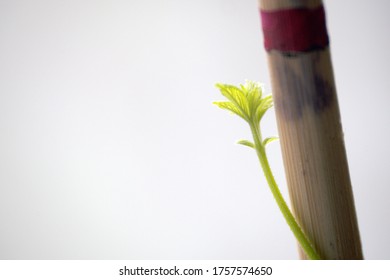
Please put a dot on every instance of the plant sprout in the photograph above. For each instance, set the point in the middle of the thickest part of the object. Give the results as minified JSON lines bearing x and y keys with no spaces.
{"x":247,"y":102}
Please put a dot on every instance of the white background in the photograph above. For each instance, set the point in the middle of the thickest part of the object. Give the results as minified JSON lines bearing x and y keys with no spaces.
{"x":110,"y":147}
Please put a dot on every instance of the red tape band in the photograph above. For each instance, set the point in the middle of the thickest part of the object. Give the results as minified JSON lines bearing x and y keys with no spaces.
{"x":294,"y":30}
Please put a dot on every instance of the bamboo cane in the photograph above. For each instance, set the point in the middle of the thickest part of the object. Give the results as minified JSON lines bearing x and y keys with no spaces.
{"x":309,"y":126}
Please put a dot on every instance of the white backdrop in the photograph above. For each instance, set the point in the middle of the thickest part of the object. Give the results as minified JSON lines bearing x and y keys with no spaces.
{"x":110,"y":147}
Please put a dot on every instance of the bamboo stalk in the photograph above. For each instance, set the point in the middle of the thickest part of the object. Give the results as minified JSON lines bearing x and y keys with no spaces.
{"x":312,"y":141}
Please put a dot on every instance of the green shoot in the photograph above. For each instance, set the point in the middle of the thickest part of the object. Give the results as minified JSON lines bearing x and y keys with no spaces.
{"x":247,"y":102}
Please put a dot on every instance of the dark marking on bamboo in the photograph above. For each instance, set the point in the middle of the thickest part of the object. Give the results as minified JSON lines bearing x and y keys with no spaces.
{"x":311,"y":89}
{"x":323,"y":95}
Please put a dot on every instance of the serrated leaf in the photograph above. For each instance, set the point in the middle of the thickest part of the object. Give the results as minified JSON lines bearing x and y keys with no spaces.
{"x":246,"y":100}
{"x":268,"y":140}
{"x":246,"y":143}
{"x":227,"y":105}
{"x":251,"y":87}
{"x":236,"y":96}
{"x":253,"y":91}
{"x":264,"y":105}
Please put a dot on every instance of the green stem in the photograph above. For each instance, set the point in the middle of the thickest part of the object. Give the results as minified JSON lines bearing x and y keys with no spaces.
{"x":295,"y":228}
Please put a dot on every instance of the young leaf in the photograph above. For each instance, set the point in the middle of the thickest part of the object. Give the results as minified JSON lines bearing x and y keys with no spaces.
{"x":269,"y":140}
{"x":246,"y":143}
{"x":253,"y":92}
{"x":264,"y":105}
{"x":227,"y":105}
{"x":236,"y":96}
